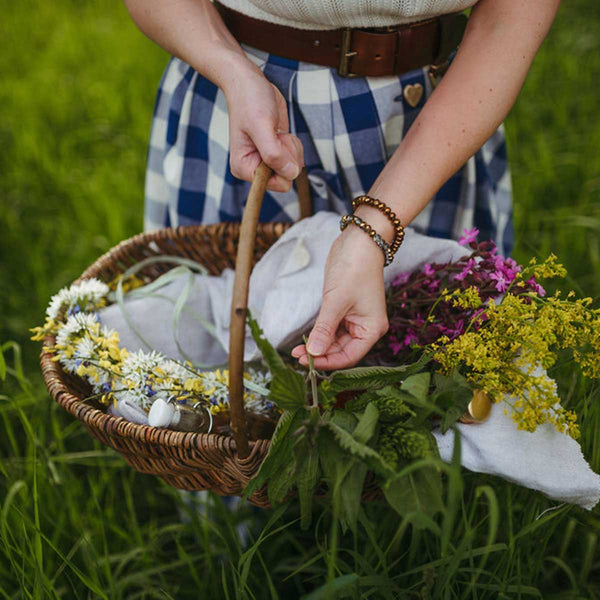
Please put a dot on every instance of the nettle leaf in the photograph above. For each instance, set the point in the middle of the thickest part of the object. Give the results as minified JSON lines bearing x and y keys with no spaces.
{"x":416,"y":489}
{"x":281,"y":481}
{"x":351,"y":493}
{"x":345,"y":477}
{"x":359,"y":450}
{"x":366,"y":377}
{"x":280,"y":450}
{"x":367,"y":423}
{"x":288,"y":390}
{"x":307,"y":478}
{"x":288,"y":387}
{"x":344,"y":419}
{"x":417,"y":385}
{"x":452,"y":394}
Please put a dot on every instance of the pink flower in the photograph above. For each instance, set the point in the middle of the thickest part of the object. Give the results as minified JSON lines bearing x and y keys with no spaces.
{"x":502,"y":282}
{"x":459,"y":327}
{"x":433,"y":285}
{"x":395,"y":345}
{"x":410,"y":337}
{"x":401,"y":279}
{"x":467,"y":270}
{"x":468,"y":236}
{"x":539,"y":290}
{"x":428,"y":270}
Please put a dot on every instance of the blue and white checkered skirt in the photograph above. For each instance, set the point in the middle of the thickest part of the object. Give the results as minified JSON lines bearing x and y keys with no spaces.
{"x":349,"y":129}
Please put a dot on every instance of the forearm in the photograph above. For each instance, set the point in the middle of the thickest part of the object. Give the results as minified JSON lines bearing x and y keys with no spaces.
{"x":193,"y":31}
{"x":470,"y":102}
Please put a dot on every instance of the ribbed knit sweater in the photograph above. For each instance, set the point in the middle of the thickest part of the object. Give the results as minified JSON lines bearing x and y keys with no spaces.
{"x":333,"y":14}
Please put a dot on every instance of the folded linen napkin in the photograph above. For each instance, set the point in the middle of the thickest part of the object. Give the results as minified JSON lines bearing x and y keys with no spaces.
{"x":285,"y":297}
{"x":544,"y":460}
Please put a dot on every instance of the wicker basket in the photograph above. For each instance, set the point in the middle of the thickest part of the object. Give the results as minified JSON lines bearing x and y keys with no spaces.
{"x":188,"y":461}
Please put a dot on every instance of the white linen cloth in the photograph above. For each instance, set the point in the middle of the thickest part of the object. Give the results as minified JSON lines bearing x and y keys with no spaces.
{"x":285,"y":297}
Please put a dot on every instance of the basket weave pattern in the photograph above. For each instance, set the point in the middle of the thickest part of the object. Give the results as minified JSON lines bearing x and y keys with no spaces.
{"x":188,"y":461}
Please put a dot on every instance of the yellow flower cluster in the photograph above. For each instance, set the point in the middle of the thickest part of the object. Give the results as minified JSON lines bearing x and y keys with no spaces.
{"x":521,"y":338}
{"x":468,"y":298}
{"x":85,"y":348}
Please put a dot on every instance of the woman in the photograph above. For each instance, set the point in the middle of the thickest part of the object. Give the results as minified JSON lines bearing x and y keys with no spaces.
{"x":373,"y":135}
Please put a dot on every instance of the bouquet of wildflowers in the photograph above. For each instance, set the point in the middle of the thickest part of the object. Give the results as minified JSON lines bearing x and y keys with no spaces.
{"x":490,"y":319}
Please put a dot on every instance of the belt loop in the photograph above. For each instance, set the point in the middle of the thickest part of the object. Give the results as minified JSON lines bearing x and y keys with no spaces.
{"x":346,"y":53}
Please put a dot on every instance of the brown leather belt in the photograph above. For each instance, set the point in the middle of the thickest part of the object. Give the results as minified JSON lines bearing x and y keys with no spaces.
{"x":364,"y":52}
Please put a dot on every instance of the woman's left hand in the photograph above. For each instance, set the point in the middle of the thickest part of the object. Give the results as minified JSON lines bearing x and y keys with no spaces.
{"x":353,"y":315}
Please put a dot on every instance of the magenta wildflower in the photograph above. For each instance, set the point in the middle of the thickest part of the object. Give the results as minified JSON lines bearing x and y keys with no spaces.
{"x":428,"y":270}
{"x":468,"y":236}
{"x":467,"y":270}
{"x":410,"y":337}
{"x":395,"y":345}
{"x":538,"y":289}
{"x":401,"y":279}
{"x":502,"y":282}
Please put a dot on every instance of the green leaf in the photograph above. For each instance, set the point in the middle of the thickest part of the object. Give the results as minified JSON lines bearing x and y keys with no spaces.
{"x":345,"y":478}
{"x":351,"y":490}
{"x":288,"y":387}
{"x":418,"y":385}
{"x":367,"y":423}
{"x":281,"y":481}
{"x":452,"y":394}
{"x":416,"y":489}
{"x":307,"y":478}
{"x":367,"y":377}
{"x":2,"y":366}
{"x":359,"y":450}
{"x":344,"y":419}
{"x":280,"y":450}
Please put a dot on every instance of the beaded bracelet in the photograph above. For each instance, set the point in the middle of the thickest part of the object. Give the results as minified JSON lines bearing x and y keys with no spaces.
{"x":387,"y":211}
{"x":385,"y":247}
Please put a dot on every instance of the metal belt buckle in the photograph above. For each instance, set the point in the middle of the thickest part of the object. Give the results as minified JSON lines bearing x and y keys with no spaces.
{"x":346,"y":54}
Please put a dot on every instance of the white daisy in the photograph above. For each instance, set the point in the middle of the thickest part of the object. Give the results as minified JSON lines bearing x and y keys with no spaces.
{"x":76,"y":326}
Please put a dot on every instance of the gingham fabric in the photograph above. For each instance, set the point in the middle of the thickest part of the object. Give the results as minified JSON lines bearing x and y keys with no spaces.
{"x":349,"y":128}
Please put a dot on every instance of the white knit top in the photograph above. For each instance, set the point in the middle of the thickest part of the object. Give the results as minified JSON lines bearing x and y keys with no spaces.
{"x":333,"y":14}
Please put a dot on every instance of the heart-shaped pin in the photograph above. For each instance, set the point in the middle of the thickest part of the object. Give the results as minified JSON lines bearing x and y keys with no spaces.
{"x":413,"y":93}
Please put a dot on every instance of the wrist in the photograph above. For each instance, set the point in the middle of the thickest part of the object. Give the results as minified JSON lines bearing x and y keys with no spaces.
{"x":236,"y":69}
{"x":360,"y":249}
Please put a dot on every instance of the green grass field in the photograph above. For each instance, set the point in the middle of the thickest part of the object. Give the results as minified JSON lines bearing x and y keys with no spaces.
{"x":77,"y":91}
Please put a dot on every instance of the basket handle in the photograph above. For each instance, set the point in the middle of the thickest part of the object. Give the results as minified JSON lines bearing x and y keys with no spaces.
{"x":239,"y":302}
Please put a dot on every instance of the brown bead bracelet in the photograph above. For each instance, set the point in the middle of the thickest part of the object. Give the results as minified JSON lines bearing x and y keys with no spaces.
{"x":388,"y":212}
{"x":385,"y":247}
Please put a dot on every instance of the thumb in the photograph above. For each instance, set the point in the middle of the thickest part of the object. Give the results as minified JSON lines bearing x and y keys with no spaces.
{"x":323,"y":333}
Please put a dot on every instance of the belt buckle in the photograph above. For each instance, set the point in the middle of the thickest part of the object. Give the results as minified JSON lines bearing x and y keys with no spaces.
{"x":346,"y":54}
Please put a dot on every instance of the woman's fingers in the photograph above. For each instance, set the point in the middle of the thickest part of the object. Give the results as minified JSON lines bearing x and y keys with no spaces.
{"x":259,"y":131}
{"x":344,"y":352}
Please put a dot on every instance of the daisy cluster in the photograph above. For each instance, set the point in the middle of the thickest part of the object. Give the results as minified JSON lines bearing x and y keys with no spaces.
{"x":85,"y":347}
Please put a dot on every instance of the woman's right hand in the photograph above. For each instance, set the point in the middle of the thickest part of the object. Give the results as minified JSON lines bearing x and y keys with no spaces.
{"x":259,"y":130}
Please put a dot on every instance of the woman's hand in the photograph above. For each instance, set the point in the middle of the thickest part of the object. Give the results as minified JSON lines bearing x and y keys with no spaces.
{"x":353,"y":315}
{"x":258,"y":130}
{"x":194,"y":31}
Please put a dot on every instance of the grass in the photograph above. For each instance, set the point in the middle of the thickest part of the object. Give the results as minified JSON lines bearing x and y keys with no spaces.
{"x":77,"y":90}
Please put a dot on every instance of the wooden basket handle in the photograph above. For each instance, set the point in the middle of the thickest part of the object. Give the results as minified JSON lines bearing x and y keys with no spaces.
{"x":239,"y":302}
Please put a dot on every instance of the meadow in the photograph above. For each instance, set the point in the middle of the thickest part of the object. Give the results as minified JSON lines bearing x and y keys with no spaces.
{"x":77,"y":92}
